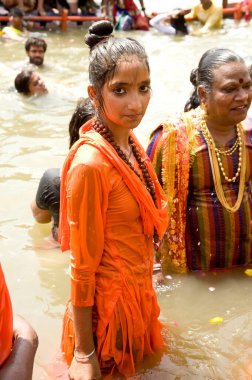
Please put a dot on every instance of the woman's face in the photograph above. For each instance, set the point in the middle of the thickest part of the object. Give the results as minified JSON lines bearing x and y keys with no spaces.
{"x":126,"y":95}
{"x":37,"y":86}
{"x":229,"y":99}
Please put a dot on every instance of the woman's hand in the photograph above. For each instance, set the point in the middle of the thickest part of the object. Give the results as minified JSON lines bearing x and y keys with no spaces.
{"x":157,"y":279}
{"x":87,"y":370}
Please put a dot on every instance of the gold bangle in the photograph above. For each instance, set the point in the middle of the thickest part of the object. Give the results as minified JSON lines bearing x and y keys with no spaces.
{"x":83,"y":357}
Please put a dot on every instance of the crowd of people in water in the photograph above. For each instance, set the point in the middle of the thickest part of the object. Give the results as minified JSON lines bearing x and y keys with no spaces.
{"x":126,"y":214}
{"x":124,"y":14}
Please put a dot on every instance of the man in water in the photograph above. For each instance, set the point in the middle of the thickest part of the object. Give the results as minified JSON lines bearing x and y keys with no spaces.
{"x":35,"y":49}
{"x":208,"y":13}
{"x":29,"y":83}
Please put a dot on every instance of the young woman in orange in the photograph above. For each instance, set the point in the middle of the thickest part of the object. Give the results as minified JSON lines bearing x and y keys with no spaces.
{"x":112,"y":207}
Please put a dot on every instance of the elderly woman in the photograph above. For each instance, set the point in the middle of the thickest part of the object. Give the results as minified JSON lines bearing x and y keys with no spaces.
{"x":203,"y":160}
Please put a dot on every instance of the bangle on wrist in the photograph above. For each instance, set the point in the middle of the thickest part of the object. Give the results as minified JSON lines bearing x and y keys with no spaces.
{"x":80,"y":358}
{"x":157,"y":267}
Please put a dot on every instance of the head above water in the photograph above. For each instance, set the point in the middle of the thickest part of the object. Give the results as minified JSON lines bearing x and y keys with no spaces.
{"x":107,"y":51}
{"x":178,"y":21}
{"x":35,"y":41}
{"x":28,"y":83}
{"x":16,"y":18}
{"x":204,"y":74}
{"x":206,"y":3}
{"x":35,"y":49}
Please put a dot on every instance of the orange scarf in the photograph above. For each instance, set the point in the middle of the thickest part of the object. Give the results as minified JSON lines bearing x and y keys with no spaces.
{"x":6,"y":320}
{"x":152,"y":216}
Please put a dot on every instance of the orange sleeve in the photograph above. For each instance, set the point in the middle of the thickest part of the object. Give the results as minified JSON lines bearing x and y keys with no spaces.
{"x":6,"y":320}
{"x":87,"y":194}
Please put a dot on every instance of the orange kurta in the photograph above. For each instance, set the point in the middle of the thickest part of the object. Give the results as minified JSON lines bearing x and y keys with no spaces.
{"x":6,"y":320}
{"x":111,"y":218}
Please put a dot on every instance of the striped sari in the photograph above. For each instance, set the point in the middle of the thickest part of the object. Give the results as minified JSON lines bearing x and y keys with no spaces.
{"x":202,"y":234}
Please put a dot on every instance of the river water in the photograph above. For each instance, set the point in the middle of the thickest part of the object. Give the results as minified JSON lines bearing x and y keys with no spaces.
{"x":34,"y":136}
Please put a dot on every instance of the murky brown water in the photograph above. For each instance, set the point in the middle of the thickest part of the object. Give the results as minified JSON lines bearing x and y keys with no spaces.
{"x":33,"y":137}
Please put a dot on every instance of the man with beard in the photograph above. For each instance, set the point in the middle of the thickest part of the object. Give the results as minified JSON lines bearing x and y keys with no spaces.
{"x":35,"y":49}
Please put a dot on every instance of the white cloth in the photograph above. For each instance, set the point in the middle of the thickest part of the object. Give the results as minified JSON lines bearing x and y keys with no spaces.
{"x":164,"y":27}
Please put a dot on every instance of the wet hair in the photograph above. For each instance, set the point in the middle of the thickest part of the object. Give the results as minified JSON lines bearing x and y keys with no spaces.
{"x":35,"y":41}
{"x":106,"y":51}
{"x":16,"y":12}
{"x":203,"y":75}
{"x":83,"y":112}
{"x":22,"y":82}
{"x":179,"y":24}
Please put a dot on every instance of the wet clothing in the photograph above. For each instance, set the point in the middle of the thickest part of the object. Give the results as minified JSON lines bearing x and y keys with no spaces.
{"x":159,"y":23}
{"x":6,"y":320}
{"x":202,"y":234}
{"x":107,"y":219}
{"x":211,"y":17}
{"x":48,"y":196}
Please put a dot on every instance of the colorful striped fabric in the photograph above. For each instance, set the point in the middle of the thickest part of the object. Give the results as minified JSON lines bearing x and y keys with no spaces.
{"x":214,"y":237}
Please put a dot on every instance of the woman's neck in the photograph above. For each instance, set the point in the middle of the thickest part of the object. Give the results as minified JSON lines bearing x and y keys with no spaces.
{"x":221,"y":133}
{"x":121,"y":137}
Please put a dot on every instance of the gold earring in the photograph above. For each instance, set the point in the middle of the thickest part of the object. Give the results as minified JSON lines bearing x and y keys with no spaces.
{"x":203,"y":109}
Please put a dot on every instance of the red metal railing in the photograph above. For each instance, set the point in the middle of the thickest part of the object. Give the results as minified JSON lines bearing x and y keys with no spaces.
{"x":63,"y":18}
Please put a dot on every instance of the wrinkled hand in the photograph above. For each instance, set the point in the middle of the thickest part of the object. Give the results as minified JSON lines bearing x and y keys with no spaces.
{"x":85,"y":371}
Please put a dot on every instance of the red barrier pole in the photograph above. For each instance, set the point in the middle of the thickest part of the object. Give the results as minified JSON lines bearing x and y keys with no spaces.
{"x":63,"y":24}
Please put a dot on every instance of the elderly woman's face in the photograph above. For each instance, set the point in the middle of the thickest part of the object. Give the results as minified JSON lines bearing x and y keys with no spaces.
{"x":229,"y":99}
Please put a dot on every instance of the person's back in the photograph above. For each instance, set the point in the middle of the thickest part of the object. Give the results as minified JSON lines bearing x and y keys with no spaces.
{"x":45,"y":206}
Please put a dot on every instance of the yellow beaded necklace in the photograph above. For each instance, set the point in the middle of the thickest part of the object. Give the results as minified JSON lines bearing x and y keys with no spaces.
{"x":217,"y":166}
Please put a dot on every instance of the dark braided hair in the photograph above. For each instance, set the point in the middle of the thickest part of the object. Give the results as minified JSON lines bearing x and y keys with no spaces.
{"x":203,"y":75}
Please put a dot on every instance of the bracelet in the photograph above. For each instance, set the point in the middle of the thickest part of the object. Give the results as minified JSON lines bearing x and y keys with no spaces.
{"x":157,"y":267}
{"x":83,"y":357}
{"x":143,"y":9}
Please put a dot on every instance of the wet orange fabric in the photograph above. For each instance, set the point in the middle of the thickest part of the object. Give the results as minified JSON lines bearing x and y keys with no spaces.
{"x":107,"y":218}
{"x":6,"y":320}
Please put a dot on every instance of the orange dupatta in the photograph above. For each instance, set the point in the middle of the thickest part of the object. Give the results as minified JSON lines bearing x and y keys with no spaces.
{"x":152,"y":216}
{"x":6,"y":320}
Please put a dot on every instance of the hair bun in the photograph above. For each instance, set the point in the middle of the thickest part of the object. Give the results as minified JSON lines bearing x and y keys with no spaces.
{"x":194,"y":77}
{"x":98,"y":31}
